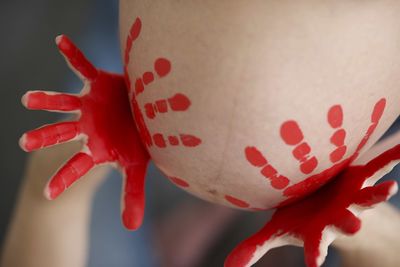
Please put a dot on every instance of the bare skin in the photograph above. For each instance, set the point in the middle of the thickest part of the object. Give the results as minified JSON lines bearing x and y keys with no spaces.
{"x":46,"y":233}
{"x":249,"y":67}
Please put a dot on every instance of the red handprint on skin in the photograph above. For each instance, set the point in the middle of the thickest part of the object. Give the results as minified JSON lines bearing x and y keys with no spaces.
{"x":292,"y":135}
{"x":178,"y":102}
{"x":315,"y":220}
{"x":105,"y":125}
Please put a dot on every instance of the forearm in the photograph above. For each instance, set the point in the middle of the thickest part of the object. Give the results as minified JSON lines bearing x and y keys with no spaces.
{"x":50,"y":233}
{"x":378,"y":242}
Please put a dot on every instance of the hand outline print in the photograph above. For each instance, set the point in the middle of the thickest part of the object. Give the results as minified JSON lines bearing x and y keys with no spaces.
{"x":176,"y":103}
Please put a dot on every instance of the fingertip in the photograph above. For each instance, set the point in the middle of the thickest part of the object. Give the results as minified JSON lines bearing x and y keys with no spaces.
{"x":47,"y":193}
{"x":130,"y":222}
{"x":25,"y":98}
{"x":394,"y":187}
{"x":59,"y":39}
{"x":22,"y":143}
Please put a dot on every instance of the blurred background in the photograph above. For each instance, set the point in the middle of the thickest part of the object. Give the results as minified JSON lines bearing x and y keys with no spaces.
{"x":29,"y":60}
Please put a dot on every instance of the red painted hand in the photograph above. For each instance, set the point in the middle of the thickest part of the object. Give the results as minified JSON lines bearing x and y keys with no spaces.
{"x":315,"y":220}
{"x":105,"y":125}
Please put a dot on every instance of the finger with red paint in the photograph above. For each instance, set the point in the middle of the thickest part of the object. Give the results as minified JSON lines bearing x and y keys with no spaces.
{"x":104,"y":125}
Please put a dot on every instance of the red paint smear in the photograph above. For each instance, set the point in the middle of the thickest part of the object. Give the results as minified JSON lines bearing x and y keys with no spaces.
{"x":308,"y":165}
{"x":307,"y":218}
{"x":150,"y":113}
{"x":56,"y":102}
{"x":173,"y":140}
{"x":338,"y":154}
{"x":338,"y":137}
{"x":75,"y":168}
{"x":107,"y":121}
{"x":133,"y":197}
{"x":140,"y":124}
{"x":279,"y":182}
{"x":162,"y":106}
{"x":291,"y":133}
{"x":313,"y":182}
{"x":255,"y":157}
{"x":268,"y":171}
{"x":159,"y":140}
{"x":148,"y":77}
{"x":335,"y":116}
{"x":237,"y":202}
{"x":162,"y":66}
{"x":301,"y":151}
{"x":139,"y":87}
{"x":132,"y":36}
{"x":180,"y":182}
{"x":179,"y":102}
{"x":190,"y":140}
{"x":378,"y":110}
{"x":75,"y":57}
{"x":50,"y":135}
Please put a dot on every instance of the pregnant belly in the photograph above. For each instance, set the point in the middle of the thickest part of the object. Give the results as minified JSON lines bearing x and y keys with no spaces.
{"x":253,"y":111}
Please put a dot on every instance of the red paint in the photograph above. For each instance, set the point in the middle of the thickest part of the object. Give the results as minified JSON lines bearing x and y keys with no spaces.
{"x":74,"y":169}
{"x":335,"y":116}
{"x":51,"y":102}
{"x":255,"y":157}
{"x":139,"y":87}
{"x":150,"y":112}
{"x":237,"y":202}
{"x":132,"y":36}
{"x":107,"y":122}
{"x":76,"y":58}
{"x":292,"y":135}
{"x":190,"y":140}
{"x":159,"y":140}
{"x":308,"y":218}
{"x":301,"y":151}
{"x":378,"y":111}
{"x":337,"y":154}
{"x":134,"y":197}
{"x":50,"y":135}
{"x":335,"y":120}
{"x":279,"y":182}
{"x":338,"y":137}
{"x":178,"y":102}
{"x":148,"y":77}
{"x":180,"y":182}
{"x":162,"y":106}
{"x":162,"y":66}
{"x":308,"y":165}
{"x":173,"y":140}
